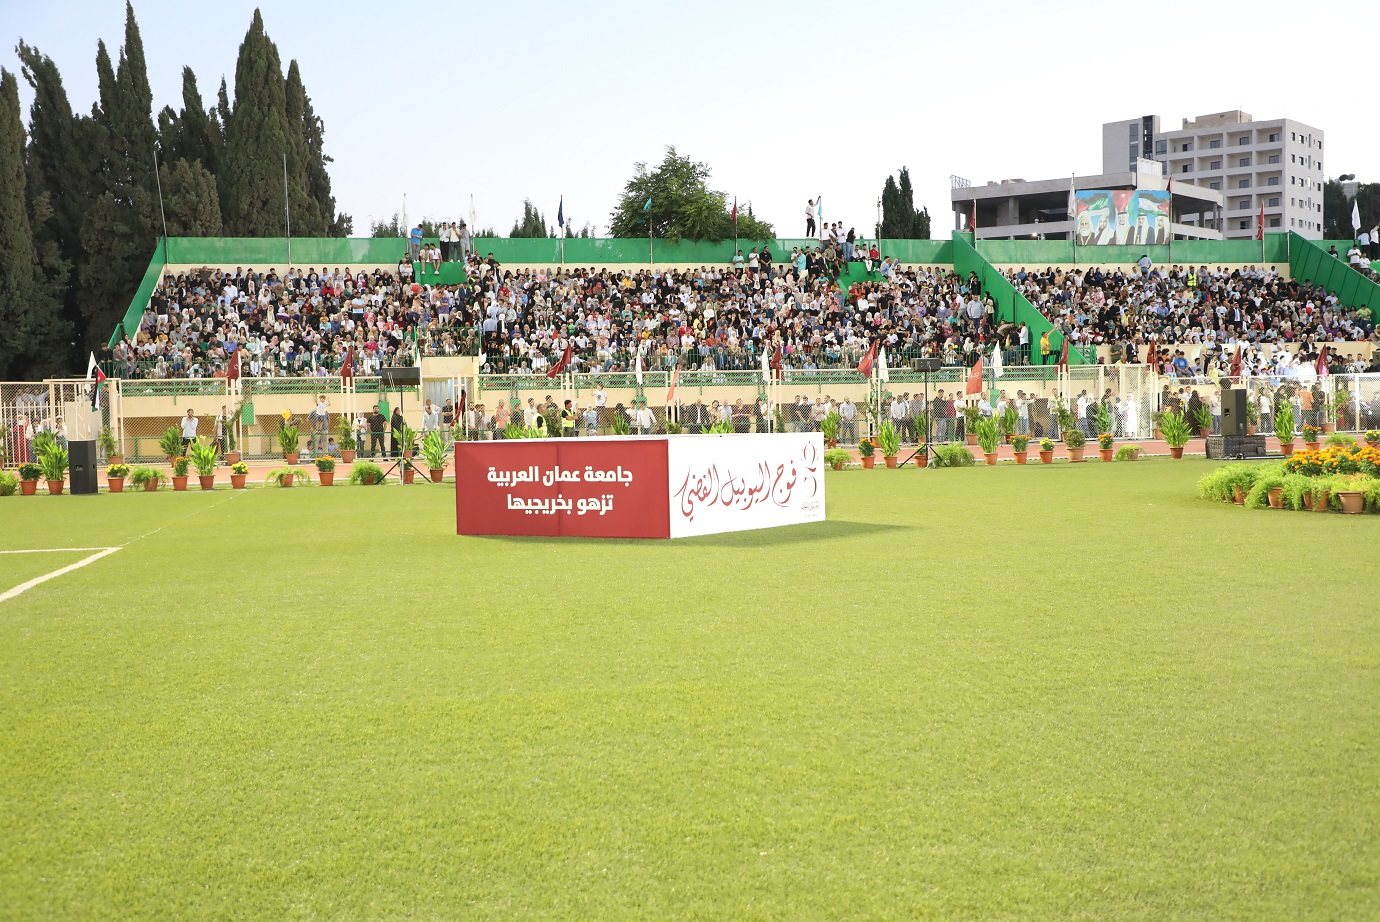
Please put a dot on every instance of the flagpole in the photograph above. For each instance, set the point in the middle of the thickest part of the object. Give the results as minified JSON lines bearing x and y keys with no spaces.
{"x":287,"y":211}
{"x":159,"y":180}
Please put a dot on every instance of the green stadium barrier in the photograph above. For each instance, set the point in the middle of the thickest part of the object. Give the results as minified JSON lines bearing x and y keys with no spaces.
{"x":1310,"y":261}
{"x":134,"y":314}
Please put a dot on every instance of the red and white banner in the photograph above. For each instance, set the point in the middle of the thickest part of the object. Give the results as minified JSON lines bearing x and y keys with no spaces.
{"x":638,"y":487}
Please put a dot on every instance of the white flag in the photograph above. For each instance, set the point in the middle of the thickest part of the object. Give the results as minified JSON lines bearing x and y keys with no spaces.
{"x":883,"y":373}
{"x":1073,"y":201}
{"x":473,"y":229}
{"x":1356,"y":217}
{"x":996,"y":361}
{"x":639,"y":367}
{"x":766,"y":367}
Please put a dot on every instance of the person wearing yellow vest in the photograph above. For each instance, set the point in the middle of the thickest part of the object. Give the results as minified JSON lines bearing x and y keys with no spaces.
{"x":567,"y":421}
{"x":1192,"y":278}
{"x":1044,"y":348}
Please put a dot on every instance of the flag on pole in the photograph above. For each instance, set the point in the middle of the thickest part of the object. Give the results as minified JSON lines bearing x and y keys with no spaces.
{"x":648,"y":206}
{"x":232,"y":369}
{"x":997,"y":370}
{"x":735,"y":214}
{"x":972,"y":222}
{"x":766,"y":366}
{"x":566,"y":358}
{"x":1321,"y":366}
{"x":1356,"y":217}
{"x":347,"y":367}
{"x":776,"y":363}
{"x":1260,"y":223}
{"x":560,"y":214}
{"x":883,"y":373}
{"x":473,"y":228}
{"x":865,"y":366}
{"x":671,"y":391}
{"x":639,"y":367}
{"x":1073,"y":200}
{"x":1064,"y":355}
{"x":460,"y":407}
{"x":1236,"y":363}
{"x":95,"y":375}
{"x":974,"y":385}
{"x":819,"y":209}
{"x":1151,"y":358}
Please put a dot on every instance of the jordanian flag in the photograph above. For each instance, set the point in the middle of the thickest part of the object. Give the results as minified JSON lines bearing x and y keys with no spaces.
{"x":94,"y":373}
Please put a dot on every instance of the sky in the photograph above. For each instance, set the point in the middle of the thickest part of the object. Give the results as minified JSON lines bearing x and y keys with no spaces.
{"x":504,"y":101}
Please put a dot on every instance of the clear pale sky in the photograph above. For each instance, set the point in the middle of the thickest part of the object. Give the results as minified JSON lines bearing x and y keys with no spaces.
{"x":441,"y":101}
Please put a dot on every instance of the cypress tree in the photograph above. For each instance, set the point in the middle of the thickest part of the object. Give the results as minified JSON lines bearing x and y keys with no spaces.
{"x":190,"y":199}
{"x":318,"y":179}
{"x":306,"y":212}
{"x":199,"y":137}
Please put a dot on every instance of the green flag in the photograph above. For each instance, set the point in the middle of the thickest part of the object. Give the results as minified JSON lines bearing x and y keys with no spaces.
{"x":648,"y":206}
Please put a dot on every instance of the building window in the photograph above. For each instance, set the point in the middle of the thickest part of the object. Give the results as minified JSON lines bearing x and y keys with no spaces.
{"x":1215,"y":143}
{"x":1274,"y":222}
{"x":1161,"y":147}
{"x":1274,"y":158}
{"x":1274,"y":136}
{"x":1272,"y":181}
{"x":1188,"y":146}
{"x":1243,"y":184}
{"x":1214,"y":185}
{"x":1244,"y":161}
{"x":1215,"y":165}
{"x":1274,"y":201}
{"x":1319,"y":206}
{"x":1186,"y":168}
{"x":1293,"y":136}
{"x":1244,"y":224}
{"x":1293,"y":222}
{"x":1293,"y":180}
{"x":1243,"y":203}
{"x":1245,"y":139}
{"x":1135,"y":131}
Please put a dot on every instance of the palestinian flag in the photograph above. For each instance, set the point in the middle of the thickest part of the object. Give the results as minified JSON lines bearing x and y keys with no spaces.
{"x":95,"y":375}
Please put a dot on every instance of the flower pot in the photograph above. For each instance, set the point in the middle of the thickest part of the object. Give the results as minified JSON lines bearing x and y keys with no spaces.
{"x":436,"y":474}
{"x":288,"y":479}
{"x":1329,"y":427}
{"x":1353,"y":501}
{"x":407,"y":453}
{"x":208,"y":482}
{"x":179,"y":483}
{"x":347,"y":455}
{"x":409,"y":474}
{"x":1020,"y":456}
{"x":990,"y":457}
{"x":1320,"y":504}
{"x":1075,"y":454}
{"x":234,"y":457}
{"x":150,"y":486}
{"x":1159,"y":436}
{"x":831,"y":443}
{"x":237,"y":481}
{"x":1204,"y":433}
{"x":325,"y":478}
{"x":366,"y":480}
{"x":1047,"y":457}
{"x":1286,"y":448}
{"x":1251,"y":429}
{"x":1176,"y":452}
{"x":113,"y":459}
{"x":972,"y":438}
{"x":1105,"y":453}
{"x":1276,"y":497}
{"x":890,"y":460}
{"x":117,"y":484}
{"x":868,"y":461}
{"x":291,"y":457}
{"x":1237,"y":496}
{"x":1308,"y":502}
{"x":837,"y":465}
{"x":55,"y":487}
{"x":922,"y":459}
{"x":28,"y":487}
{"x":1311,"y":446}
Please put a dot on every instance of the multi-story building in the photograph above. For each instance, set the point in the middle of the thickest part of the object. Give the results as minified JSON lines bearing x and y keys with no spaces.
{"x":1276,"y":165}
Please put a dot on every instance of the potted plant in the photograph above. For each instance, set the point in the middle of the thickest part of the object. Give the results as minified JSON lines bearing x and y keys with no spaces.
{"x":621,"y":426}
{"x":285,"y":476}
{"x":1176,"y":432}
{"x":434,"y":451}
{"x":1019,"y":446}
{"x":970,"y":417}
{"x":1074,"y":441}
{"x":1373,"y":437}
{"x":54,"y":464}
{"x":148,"y":478}
{"x":106,"y":440}
{"x":170,"y":443}
{"x":867,"y":449}
{"x":325,"y":470}
{"x":1310,"y":436}
{"x":239,"y":472}
{"x":1319,"y":493}
{"x":837,"y":458}
{"x":115,"y":475}
{"x":1252,"y":416}
{"x":287,"y":443}
{"x":1334,"y":419}
{"x":1101,"y":419}
{"x":988,"y":435}
{"x":366,"y":473}
{"x":1105,"y":444}
{"x":28,"y":478}
{"x":829,"y":427}
{"x":8,"y":483}
{"x":889,"y":442}
{"x":1155,"y":419}
{"x":204,"y":459}
{"x":345,"y":438}
{"x":179,"y":469}
{"x":1046,"y":451}
{"x":1128,"y":453}
{"x":232,"y":445}
{"x":1267,"y":491}
{"x":922,"y":454}
{"x":1202,"y":418}
{"x":1009,"y":420}
{"x":1284,"y":428}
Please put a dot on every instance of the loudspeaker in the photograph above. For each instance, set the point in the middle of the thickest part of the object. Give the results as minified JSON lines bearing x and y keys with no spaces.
{"x":1234,"y":412}
{"x":81,"y":467}
{"x":928,"y":364}
{"x":394,"y":376}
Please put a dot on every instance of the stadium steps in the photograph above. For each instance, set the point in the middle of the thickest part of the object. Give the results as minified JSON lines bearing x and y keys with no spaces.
{"x":1309,"y":262}
{"x":451,"y":274}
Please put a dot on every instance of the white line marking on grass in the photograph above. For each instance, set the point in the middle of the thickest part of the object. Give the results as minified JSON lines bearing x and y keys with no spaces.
{"x":53,"y":550}
{"x":38,"y":580}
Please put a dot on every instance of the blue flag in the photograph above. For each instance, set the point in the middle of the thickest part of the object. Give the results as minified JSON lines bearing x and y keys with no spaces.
{"x":648,"y":206}
{"x":560,"y":213}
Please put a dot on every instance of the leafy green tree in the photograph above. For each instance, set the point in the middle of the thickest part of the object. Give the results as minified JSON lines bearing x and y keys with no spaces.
{"x":194,"y":133}
{"x":392,"y":227}
{"x":1337,"y":209}
{"x":532,"y":224}
{"x":682,"y":205}
{"x":190,"y":199}
{"x":311,"y":223}
{"x":900,"y":220}
{"x":318,"y":178}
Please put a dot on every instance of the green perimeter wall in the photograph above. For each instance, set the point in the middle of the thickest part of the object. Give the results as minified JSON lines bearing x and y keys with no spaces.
{"x":1034,"y":253}
{"x":1313,"y":263}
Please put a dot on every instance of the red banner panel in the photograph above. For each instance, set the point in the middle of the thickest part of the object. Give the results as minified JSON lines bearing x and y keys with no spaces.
{"x":598,"y":488}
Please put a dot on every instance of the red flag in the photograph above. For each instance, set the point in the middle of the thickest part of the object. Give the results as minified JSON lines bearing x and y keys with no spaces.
{"x":1321,"y":366}
{"x":735,"y":211}
{"x":232,"y":368}
{"x":776,"y":363}
{"x":347,"y":368}
{"x":1064,"y":355}
{"x":460,"y":408}
{"x":1236,"y":363}
{"x":566,"y":357}
{"x":671,"y":391}
{"x":94,"y":373}
{"x":865,"y":366}
{"x":1170,"y":186}
{"x":1260,"y":223}
{"x":974,"y":379}
{"x":1151,"y":358}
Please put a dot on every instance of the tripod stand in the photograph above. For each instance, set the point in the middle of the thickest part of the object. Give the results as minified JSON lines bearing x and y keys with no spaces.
{"x":925,"y":366}
{"x":402,"y":379}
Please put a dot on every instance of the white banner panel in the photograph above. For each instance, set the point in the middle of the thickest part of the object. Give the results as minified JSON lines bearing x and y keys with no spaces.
{"x":724,"y":483}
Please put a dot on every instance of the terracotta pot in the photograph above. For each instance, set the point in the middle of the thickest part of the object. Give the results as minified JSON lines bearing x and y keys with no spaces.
{"x":1237,"y":496}
{"x":1047,"y":457}
{"x":234,"y":457}
{"x":288,"y":479}
{"x":325,"y":478}
{"x":890,"y":460}
{"x":1353,"y":501}
{"x":1329,"y":427}
{"x":1176,"y":452}
{"x":436,"y":474}
{"x":237,"y":481}
{"x":1075,"y":454}
{"x":1251,"y":429}
{"x":1286,"y":448}
{"x":55,"y":487}
{"x":1020,"y":456}
{"x":409,"y":474}
{"x":1105,"y":453}
{"x":117,"y":484}
{"x":1320,"y":504}
{"x":150,"y":486}
{"x":972,"y":438}
{"x":1312,"y":446}
{"x":208,"y":482}
{"x":290,"y":458}
{"x":179,"y":483}
{"x":366,"y":480}
{"x":922,"y":459}
{"x":407,"y":453}
{"x":1204,"y":433}
{"x":837,"y":465}
{"x":1276,"y":497}
{"x":28,"y":487}
{"x":347,"y":455}
{"x":1308,"y":502}
{"x":831,"y":443}
{"x":868,"y":461}
{"x":1159,"y":436}
{"x":990,"y":457}
{"x":113,"y":459}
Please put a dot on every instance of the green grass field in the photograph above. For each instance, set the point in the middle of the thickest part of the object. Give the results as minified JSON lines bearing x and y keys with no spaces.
{"x":1066,"y":692}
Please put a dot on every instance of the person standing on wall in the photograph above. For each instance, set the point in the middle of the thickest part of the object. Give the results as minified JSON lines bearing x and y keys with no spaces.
{"x":810,"y":218}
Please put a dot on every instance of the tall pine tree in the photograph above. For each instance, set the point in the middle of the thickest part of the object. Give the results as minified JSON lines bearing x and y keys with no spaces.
{"x":900,"y":220}
{"x":306,"y":211}
{"x":318,"y":179}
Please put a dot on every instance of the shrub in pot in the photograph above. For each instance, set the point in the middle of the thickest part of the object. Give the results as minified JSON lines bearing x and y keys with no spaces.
{"x":1202,"y":418}
{"x":203,"y":456}
{"x":1284,"y":428}
{"x":867,"y":449}
{"x":1176,"y":432}
{"x":170,"y":443}
{"x":889,"y":442}
{"x":345,"y":438}
{"x":366,"y":474}
{"x":434,"y":451}
{"x":239,"y":472}
{"x":8,"y":483}
{"x":106,"y":440}
{"x":53,"y":460}
{"x":837,"y":458}
{"x":286,"y":476}
{"x":988,"y":436}
{"x":287,"y":443}
{"x":180,"y":466}
{"x":325,"y":470}
{"x":1074,"y":440}
{"x":29,"y":473}
{"x":1046,"y":451}
{"x":1019,"y":445}
{"x":147,"y":477}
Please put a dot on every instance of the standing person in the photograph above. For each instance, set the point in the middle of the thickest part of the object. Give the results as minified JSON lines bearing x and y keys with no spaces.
{"x":431,"y":417}
{"x":810,"y":218}
{"x":414,"y":243}
{"x":320,"y":422}
{"x":568,"y":419}
{"x":222,"y":423}
{"x":601,"y":401}
{"x":188,"y":431}
{"x":848,"y":417}
{"x":466,"y":245}
{"x":378,"y":423}
{"x":397,"y":424}
{"x":361,"y":432}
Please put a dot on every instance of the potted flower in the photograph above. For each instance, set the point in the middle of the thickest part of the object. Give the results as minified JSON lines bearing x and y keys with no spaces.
{"x":970,"y":417}
{"x":837,"y":458}
{"x":287,"y":442}
{"x":28,"y":478}
{"x":1202,"y":418}
{"x":1252,"y":416}
{"x":239,"y":472}
{"x":1019,"y":444}
{"x":345,"y":438}
{"x":1310,"y":436}
{"x":179,"y":469}
{"x":434,"y":451}
{"x":170,"y":443}
{"x":889,"y":442}
{"x":203,"y":457}
{"x":106,"y":440}
{"x":1074,"y":440}
{"x":988,"y":436}
{"x":408,"y":436}
{"x":1046,"y":451}
{"x":285,"y":476}
{"x":1176,"y":432}
{"x":1284,"y":428}
{"x":115,"y":475}
{"x":54,"y":464}
{"x":1105,"y":443}
{"x":867,"y":449}
{"x":1155,"y":419}
{"x":366,"y":473}
{"x":325,"y":470}
{"x":148,"y":478}
{"x":1372,"y":437}
{"x":829,"y":427}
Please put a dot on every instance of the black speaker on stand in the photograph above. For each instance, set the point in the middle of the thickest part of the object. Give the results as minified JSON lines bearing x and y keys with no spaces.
{"x":81,"y":467}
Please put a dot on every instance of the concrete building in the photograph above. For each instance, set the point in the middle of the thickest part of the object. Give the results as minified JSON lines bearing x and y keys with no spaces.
{"x":1275,"y":164}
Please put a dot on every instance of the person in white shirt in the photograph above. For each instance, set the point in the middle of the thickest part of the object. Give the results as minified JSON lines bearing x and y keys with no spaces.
{"x":320,"y":422}
{"x":530,"y":413}
{"x":431,"y":417}
{"x":643,"y":419}
{"x":848,"y":415}
{"x":188,"y":431}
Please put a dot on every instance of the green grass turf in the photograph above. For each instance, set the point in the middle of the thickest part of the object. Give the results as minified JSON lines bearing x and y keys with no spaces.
{"x":1066,"y":692}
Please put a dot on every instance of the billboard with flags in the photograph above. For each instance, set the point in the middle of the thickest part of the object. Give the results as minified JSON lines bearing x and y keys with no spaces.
{"x":1121,"y":217}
